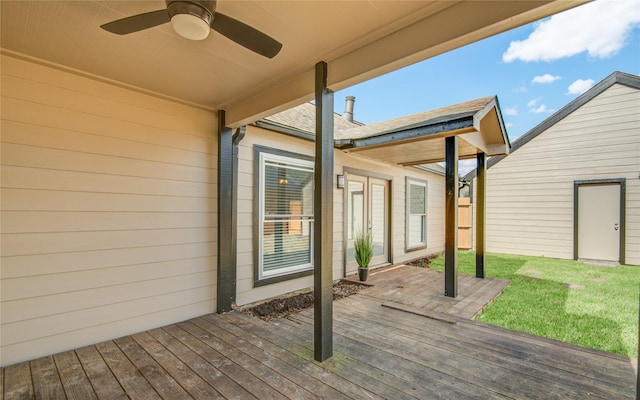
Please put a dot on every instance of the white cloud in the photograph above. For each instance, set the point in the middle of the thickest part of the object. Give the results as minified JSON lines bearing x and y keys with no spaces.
{"x":600,"y":28}
{"x":509,"y":125}
{"x":521,"y":89}
{"x":532,"y":103}
{"x":542,"y":108}
{"x":511,"y":111}
{"x":580,"y":86}
{"x":546,"y":78}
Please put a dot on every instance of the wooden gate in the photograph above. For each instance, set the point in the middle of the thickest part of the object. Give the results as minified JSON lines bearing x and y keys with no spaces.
{"x":465,"y":227}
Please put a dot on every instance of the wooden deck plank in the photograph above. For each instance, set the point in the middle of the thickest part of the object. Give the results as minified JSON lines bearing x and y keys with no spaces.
{"x":200,"y":365}
{"x":379,"y":353}
{"x":455,"y":372}
{"x":341,"y":367}
{"x":262,"y":335}
{"x":423,"y":288}
{"x":478,"y":338}
{"x":134,"y":384}
{"x":17,"y":381}
{"x":102,"y":379}
{"x":46,"y":381}
{"x":246,"y":379}
{"x":298,"y":369}
{"x":576,"y":361}
{"x":153,"y":372}
{"x":236,"y":351}
{"x":184,"y":376}
{"x":72,"y":375}
{"x":461,"y":367}
{"x":476,"y":302}
{"x":548,"y":373}
{"x":389,"y":369}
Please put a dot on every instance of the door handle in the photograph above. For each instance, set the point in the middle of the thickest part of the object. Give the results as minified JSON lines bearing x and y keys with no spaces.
{"x":615,"y":226}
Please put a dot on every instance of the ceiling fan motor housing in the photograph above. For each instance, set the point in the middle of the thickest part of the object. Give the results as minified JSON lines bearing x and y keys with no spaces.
{"x":182,"y":13}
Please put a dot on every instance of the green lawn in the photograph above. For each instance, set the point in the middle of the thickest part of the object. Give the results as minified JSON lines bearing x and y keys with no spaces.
{"x":600,"y":311}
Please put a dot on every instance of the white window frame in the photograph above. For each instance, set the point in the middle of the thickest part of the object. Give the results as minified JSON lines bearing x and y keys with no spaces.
{"x":425,"y":184}
{"x":289,"y":162}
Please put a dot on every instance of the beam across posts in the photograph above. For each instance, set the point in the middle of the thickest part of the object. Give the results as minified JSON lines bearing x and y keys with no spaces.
{"x":451,"y":218}
{"x":481,"y":213}
{"x":323,"y":220}
{"x":226,"y":286}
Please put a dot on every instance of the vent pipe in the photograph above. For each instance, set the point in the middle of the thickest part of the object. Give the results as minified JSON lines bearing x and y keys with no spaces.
{"x":348,"y":108}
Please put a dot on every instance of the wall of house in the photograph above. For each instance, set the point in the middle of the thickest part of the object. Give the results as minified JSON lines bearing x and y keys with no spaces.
{"x":108,"y":211}
{"x":530,"y":192}
{"x":246,"y":293}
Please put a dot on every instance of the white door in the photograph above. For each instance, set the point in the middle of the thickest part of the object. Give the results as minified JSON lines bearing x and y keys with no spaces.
{"x":367,"y":209}
{"x":599,"y":222}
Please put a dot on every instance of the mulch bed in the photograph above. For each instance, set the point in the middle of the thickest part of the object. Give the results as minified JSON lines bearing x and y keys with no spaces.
{"x":284,"y":305}
{"x":423,"y":262}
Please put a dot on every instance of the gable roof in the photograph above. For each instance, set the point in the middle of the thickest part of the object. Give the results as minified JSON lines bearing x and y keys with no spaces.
{"x":411,"y":140}
{"x":420,"y":138}
{"x":414,"y":121}
{"x":616,"y":77}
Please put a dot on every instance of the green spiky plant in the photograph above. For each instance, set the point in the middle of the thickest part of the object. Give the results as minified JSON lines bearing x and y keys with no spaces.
{"x":363,"y":248}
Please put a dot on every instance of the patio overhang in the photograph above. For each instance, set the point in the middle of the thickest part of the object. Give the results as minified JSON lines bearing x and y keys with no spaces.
{"x":420,"y":138}
{"x":358,"y":40}
{"x":473,"y":129}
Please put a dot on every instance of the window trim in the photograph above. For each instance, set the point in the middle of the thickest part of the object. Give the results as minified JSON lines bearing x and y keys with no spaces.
{"x":419,"y":182}
{"x":259,"y":155}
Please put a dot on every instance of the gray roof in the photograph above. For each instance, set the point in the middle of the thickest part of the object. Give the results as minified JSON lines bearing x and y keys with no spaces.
{"x":301,"y":121}
{"x":616,"y":77}
{"x":411,"y":140}
{"x":418,"y":120}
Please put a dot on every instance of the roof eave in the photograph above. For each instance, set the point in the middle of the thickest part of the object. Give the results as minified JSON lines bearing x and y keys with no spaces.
{"x":403,"y":135}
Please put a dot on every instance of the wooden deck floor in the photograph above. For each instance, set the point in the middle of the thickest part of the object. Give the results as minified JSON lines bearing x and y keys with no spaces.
{"x":379,"y":352}
{"x":422,"y":289}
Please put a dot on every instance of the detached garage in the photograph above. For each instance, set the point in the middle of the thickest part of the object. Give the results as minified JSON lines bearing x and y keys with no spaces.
{"x":571,"y":186}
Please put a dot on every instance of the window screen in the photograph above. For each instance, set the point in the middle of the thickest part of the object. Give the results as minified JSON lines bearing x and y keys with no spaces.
{"x":286,"y":215}
{"x":416,"y":222}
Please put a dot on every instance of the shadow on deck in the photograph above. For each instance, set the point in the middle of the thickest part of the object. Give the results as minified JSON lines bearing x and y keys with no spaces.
{"x":379,"y":352}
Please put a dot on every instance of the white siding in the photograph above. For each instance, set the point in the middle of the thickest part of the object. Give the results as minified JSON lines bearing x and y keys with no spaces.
{"x":530,"y":192}
{"x":108,"y":211}
{"x":246,"y":293}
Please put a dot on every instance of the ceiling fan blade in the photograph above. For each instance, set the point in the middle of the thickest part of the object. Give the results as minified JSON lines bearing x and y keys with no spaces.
{"x":137,"y":22}
{"x":245,"y":35}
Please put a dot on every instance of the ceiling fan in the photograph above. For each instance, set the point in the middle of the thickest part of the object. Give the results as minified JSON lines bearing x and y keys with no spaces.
{"x":193,"y":19}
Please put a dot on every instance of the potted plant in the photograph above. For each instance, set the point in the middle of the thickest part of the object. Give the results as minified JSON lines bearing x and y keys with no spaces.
{"x":363,"y":250}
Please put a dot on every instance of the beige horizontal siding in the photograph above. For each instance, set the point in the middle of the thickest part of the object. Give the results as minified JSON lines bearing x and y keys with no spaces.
{"x":108,"y":211}
{"x":530,"y":192}
{"x":246,"y":293}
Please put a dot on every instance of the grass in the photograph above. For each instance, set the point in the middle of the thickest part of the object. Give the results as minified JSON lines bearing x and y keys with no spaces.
{"x":600,"y":311}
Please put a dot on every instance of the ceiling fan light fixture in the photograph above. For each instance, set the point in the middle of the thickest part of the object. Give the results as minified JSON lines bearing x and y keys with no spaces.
{"x":190,"y":26}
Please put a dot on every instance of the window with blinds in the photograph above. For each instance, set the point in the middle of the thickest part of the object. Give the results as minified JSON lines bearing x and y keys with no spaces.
{"x":416,"y":220}
{"x":286,"y":215}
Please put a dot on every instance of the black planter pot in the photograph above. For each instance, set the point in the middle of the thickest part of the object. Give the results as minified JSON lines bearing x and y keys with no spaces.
{"x":363,"y":273}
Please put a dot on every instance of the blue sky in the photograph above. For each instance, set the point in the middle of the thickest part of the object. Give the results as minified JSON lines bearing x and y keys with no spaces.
{"x":535,"y":70}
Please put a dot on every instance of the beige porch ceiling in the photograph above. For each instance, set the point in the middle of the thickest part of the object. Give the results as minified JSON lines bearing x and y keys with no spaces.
{"x":420,"y":138}
{"x":358,"y":39}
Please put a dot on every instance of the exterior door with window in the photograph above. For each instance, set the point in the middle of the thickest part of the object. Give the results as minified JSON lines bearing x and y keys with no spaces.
{"x":367,"y":209}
